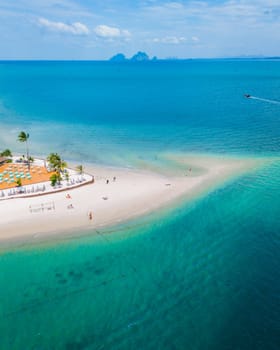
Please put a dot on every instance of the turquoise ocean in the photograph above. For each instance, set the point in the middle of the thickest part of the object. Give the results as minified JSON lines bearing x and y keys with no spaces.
{"x":201,"y":275}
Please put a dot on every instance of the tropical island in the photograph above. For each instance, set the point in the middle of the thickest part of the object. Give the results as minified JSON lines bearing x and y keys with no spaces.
{"x":140,"y":56}
{"x":47,"y":197}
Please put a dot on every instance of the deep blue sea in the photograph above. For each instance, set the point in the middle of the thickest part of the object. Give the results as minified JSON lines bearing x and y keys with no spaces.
{"x":204,"y":275}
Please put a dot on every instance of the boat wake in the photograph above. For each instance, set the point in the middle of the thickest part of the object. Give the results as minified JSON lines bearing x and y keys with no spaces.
{"x":265,"y":100}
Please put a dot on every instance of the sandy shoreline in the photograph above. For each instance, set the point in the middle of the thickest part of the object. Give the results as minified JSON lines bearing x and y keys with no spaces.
{"x":133,"y":194}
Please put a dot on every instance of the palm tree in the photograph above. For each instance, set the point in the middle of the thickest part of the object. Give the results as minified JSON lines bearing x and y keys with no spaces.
{"x":23,"y":137}
{"x":57,"y":164}
{"x":54,"y":179}
{"x":80,"y":169}
{"x":6,"y":153}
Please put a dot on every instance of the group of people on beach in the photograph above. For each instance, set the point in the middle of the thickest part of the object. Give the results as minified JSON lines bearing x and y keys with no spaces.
{"x":114,"y":179}
{"x":89,"y":214}
{"x":70,"y":206}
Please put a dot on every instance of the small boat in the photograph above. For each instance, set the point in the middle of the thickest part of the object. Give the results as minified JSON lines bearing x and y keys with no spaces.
{"x":247,"y":95}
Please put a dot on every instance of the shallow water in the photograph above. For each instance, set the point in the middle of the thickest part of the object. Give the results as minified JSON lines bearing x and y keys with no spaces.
{"x":203,"y":276}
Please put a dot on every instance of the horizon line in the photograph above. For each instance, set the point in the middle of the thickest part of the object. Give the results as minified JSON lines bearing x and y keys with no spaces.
{"x":129,"y":60}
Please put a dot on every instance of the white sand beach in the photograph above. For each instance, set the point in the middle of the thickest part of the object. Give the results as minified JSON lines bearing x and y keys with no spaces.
{"x":132,"y":194}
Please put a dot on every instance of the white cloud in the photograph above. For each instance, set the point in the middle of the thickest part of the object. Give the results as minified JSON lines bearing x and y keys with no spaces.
{"x":170,"y":40}
{"x":76,"y":28}
{"x":226,"y":11}
{"x":107,"y":32}
{"x":195,"y":39}
{"x":174,"y":5}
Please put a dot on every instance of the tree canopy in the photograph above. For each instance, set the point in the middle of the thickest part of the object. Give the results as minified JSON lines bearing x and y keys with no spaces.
{"x":56,"y":163}
{"x":23,"y":137}
{"x":6,"y":153}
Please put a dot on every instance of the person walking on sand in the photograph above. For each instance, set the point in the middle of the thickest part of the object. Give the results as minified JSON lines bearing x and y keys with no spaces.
{"x":107,"y":181}
{"x":90,"y":216}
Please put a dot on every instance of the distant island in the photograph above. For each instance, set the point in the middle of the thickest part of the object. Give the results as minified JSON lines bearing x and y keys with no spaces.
{"x":142,"y":56}
{"x":138,"y":57}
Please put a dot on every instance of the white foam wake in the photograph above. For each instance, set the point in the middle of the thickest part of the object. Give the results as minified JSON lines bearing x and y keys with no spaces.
{"x":265,"y":100}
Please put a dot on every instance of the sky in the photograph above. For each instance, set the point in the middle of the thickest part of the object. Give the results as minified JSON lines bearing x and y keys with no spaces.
{"x":98,"y":29}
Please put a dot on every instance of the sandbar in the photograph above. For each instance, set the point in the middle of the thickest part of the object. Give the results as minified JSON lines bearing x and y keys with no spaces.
{"x":117,"y":195}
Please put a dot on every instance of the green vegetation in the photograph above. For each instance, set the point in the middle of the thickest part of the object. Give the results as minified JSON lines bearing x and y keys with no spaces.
{"x":6,"y":153}
{"x":58,"y":165}
{"x":66,"y":175}
{"x":19,"y":183}
{"x":23,"y":137}
{"x":80,"y":169}
{"x":55,"y":178}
